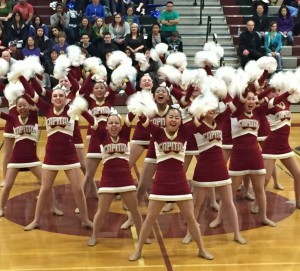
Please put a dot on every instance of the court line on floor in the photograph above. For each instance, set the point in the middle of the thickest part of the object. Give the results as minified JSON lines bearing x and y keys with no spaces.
{"x":135,"y":241}
{"x":162,"y":246}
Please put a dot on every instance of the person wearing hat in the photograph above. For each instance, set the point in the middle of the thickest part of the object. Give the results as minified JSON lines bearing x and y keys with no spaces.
{"x":14,"y":51}
{"x":175,"y":43}
{"x":25,"y":9}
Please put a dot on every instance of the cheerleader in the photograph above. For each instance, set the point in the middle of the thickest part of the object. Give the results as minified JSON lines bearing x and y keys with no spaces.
{"x":116,"y":175}
{"x":60,"y":152}
{"x":209,"y":140}
{"x":276,"y":145}
{"x":246,"y":158}
{"x":170,"y":181}
{"x":23,"y":155}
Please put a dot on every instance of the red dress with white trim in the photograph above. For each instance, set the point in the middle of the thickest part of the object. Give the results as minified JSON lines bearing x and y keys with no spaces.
{"x":26,"y":137}
{"x":116,"y":175}
{"x":211,"y":169}
{"x":276,"y":145}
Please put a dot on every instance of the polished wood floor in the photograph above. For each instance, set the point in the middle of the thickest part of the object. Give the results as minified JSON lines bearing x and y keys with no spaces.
{"x":60,"y":244}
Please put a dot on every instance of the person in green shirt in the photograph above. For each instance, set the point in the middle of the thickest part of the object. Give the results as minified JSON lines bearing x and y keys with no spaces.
{"x":169,"y":20}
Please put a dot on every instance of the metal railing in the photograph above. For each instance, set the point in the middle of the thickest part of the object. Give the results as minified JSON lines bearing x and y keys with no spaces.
{"x":201,"y":7}
{"x":208,"y":27}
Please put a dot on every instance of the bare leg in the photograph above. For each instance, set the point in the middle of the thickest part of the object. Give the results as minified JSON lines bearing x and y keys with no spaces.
{"x":259,"y":190}
{"x":7,"y":149}
{"x":225,"y":193}
{"x":81,"y":157}
{"x":74,"y":178}
{"x":186,"y":208}
{"x":43,"y":198}
{"x":131,"y":202}
{"x":247,"y":194}
{"x":154,"y":209}
{"x":105,"y":200}
{"x":187,"y":162}
{"x":277,"y":185}
{"x":293,"y":167}
{"x":144,"y":183}
{"x":91,"y":168}
{"x":198,"y":199}
{"x":212,"y":198}
{"x":135,"y":153}
{"x":11,"y":175}
{"x":37,"y":172}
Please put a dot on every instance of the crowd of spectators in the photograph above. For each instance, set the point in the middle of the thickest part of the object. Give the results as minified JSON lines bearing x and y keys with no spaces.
{"x":98,"y":28}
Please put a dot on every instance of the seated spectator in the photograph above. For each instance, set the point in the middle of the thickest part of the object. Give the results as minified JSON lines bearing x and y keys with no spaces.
{"x":130,"y":17}
{"x":134,"y":41}
{"x":263,"y":3}
{"x":296,"y":30}
{"x":49,"y":67}
{"x":7,"y":57}
{"x":61,"y":21}
{"x":54,"y":35}
{"x":37,"y":23}
{"x":15,"y":53}
{"x":117,"y":6}
{"x":85,"y":27}
{"x":18,"y":30}
{"x":106,"y":47}
{"x":118,"y":30}
{"x":249,"y":48}
{"x":285,"y":24}
{"x":175,"y":43}
{"x":86,"y":44}
{"x":169,"y":20}
{"x":43,"y":42}
{"x":155,"y":37}
{"x":99,"y":29}
{"x":30,"y":48}
{"x":260,"y":20}
{"x":273,"y":44}
{"x":5,"y":12}
{"x":62,"y":45}
{"x":26,"y":10}
{"x":94,"y":10}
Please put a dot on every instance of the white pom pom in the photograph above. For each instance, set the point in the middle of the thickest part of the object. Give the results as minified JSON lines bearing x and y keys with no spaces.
{"x":239,"y":83}
{"x":12,"y":91}
{"x":118,"y":58}
{"x":277,"y":81}
{"x":61,"y":68}
{"x":142,"y":102}
{"x":167,"y":72}
{"x":140,"y":58}
{"x":253,"y":70}
{"x":123,"y":72}
{"x":78,"y":105}
{"x":177,"y":59}
{"x":17,"y":69}
{"x":33,"y":63}
{"x":75,"y":55}
{"x":214,"y":47}
{"x":195,"y":76}
{"x":268,"y":63}
{"x":203,"y":103}
{"x":154,"y":55}
{"x":91,"y":62}
{"x":216,"y":86}
{"x":225,"y":73}
{"x":4,"y":67}
{"x":161,"y":48}
{"x":203,"y":58}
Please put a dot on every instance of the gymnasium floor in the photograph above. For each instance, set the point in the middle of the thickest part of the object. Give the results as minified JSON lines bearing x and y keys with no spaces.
{"x":60,"y":243}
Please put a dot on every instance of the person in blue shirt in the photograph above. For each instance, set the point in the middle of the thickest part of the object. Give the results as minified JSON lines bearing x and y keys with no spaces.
{"x":273,"y":44}
{"x":94,"y":10}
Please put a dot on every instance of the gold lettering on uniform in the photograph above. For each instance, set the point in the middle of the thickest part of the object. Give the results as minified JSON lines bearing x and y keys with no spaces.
{"x":249,"y":123}
{"x":24,"y":130}
{"x":211,"y":135}
{"x":170,"y":147}
{"x":96,"y":111}
{"x":53,"y":121}
{"x":112,"y":148}
{"x":159,"y":121}
{"x":281,"y":115}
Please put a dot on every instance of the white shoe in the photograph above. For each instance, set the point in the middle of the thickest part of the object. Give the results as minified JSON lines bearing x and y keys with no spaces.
{"x":77,"y":211}
{"x":169,"y":206}
{"x":2,"y":184}
{"x":143,"y":12}
{"x":138,"y":10}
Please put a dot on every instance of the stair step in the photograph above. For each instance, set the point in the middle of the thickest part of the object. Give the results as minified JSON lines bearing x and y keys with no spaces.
{"x":201,"y":29}
{"x":191,"y":50}
{"x":214,"y":10}
{"x":191,"y":20}
{"x":191,"y":3}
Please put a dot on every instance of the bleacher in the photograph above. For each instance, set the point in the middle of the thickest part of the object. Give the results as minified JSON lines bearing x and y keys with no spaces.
{"x":238,"y":12}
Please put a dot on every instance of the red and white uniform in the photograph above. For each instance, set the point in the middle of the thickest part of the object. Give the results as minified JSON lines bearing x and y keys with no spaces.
{"x":160,"y":121}
{"x":26,"y":137}
{"x":170,"y":183}
{"x":60,"y":151}
{"x":246,"y":156}
{"x":211,"y":169}
{"x":116,"y":174}
{"x":264,"y":128}
{"x":276,"y":145}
